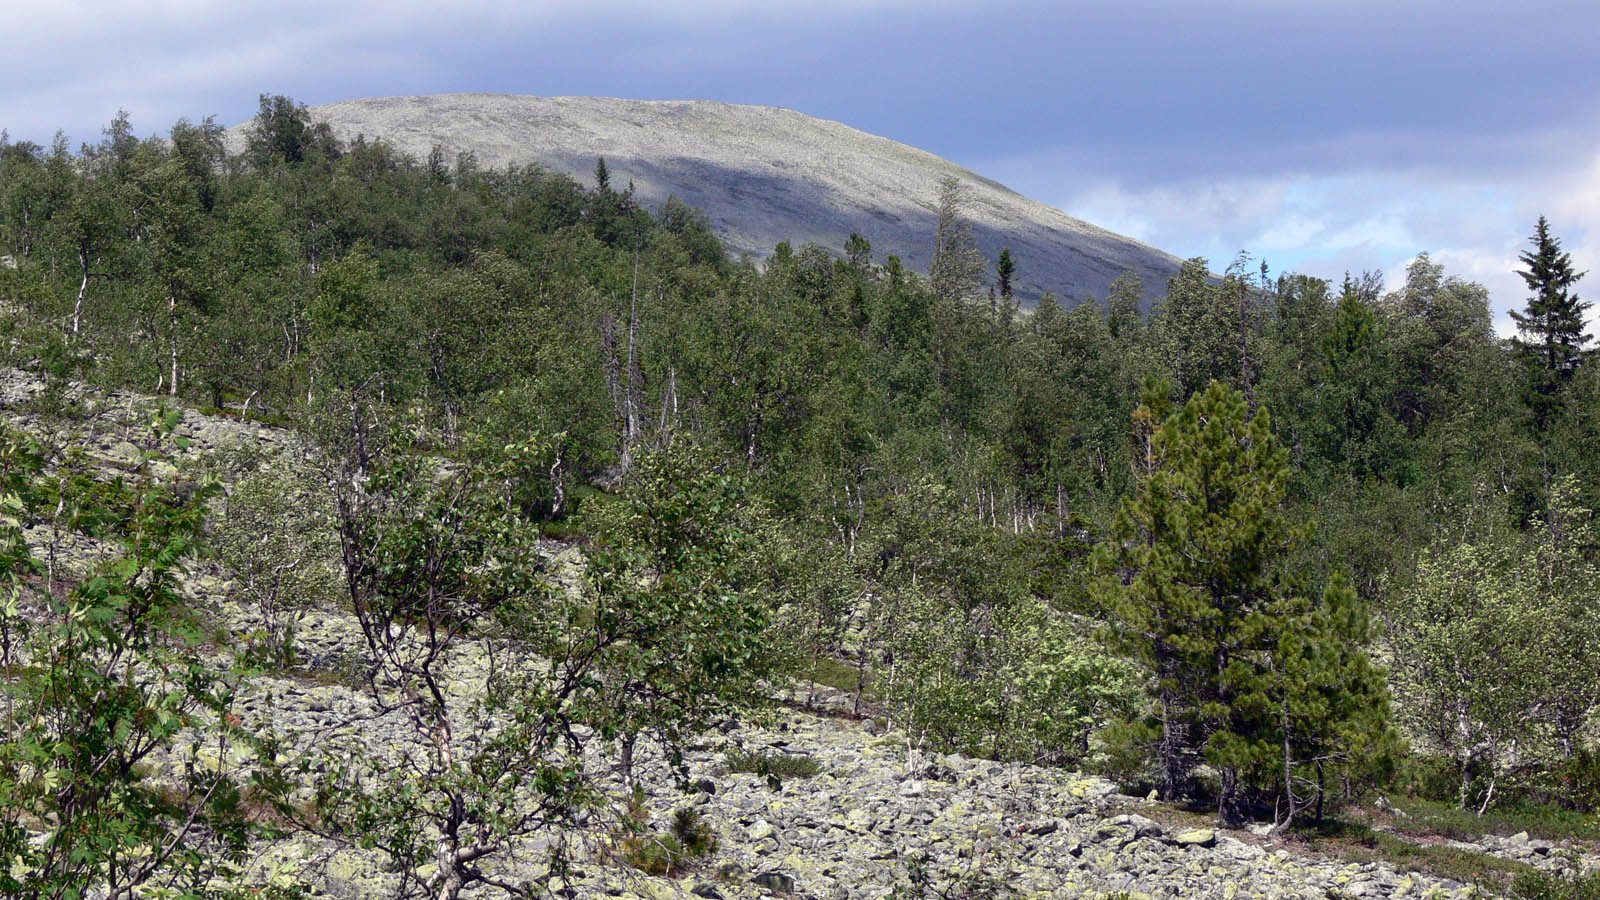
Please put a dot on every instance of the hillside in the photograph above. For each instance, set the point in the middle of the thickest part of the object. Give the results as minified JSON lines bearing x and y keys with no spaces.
{"x":866,"y":815}
{"x":474,"y":482}
{"x":762,"y":175}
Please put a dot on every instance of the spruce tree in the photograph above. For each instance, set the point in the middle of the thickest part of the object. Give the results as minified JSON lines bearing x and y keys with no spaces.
{"x":1550,"y":330}
{"x":1006,"y":270}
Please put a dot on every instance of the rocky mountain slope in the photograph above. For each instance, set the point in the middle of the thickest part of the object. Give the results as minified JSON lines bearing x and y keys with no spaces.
{"x":762,"y":175}
{"x":876,"y":820}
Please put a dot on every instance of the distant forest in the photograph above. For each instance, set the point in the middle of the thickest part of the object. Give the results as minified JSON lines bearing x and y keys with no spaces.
{"x":1085,"y":534}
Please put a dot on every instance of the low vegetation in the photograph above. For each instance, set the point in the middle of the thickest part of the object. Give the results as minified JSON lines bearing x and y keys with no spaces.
{"x":770,"y":765}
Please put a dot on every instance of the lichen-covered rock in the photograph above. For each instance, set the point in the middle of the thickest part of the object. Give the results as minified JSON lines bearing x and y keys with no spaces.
{"x":1195,"y":837}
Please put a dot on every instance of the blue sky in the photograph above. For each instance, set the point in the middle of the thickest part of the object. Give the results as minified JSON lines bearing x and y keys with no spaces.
{"x":1321,"y":136}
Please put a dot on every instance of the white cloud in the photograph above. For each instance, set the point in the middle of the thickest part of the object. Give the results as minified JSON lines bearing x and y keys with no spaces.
{"x":1329,"y":223}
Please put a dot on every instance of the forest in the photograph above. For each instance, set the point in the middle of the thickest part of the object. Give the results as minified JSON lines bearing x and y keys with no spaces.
{"x":1271,"y":546}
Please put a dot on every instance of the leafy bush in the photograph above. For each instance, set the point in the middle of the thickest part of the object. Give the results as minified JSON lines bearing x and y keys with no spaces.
{"x":277,"y":536}
{"x":770,"y":765}
{"x":120,"y":762}
{"x":1572,"y":783}
{"x":1127,"y":756}
{"x":1035,"y":688}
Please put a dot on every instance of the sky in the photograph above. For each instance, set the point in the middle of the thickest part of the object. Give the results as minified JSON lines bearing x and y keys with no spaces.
{"x":1322,"y":136}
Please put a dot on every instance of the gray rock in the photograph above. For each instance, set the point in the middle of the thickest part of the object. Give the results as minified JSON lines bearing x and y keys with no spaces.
{"x":1141,"y":826}
{"x":775,"y":881}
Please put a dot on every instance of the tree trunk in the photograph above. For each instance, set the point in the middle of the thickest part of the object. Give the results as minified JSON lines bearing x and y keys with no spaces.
{"x":1171,"y":747}
{"x":83,"y":291}
{"x":172,"y":341}
{"x":626,"y":760}
{"x":1228,"y":797}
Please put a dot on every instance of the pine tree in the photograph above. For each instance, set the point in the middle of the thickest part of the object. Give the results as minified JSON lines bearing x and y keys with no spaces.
{"x":1005,"y":269}
{"x":1550,"y":330}
{"x":1253,"y":671}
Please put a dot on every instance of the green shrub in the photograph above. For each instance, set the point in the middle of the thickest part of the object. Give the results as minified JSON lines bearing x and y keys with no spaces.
{"x":1572,"y":783}
{"x":1540,"y":886}
{"x":693,"y":833}
{"x":1428,"y":777}
{"x":655,"y":853}
{"x":771,"y":765}
{"x":1127,"y":756}
{"x":1036,"y":688}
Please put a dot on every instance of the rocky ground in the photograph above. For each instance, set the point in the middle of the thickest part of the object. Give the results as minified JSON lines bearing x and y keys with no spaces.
{"x":876,"y":815}
{"x":876,"y":820}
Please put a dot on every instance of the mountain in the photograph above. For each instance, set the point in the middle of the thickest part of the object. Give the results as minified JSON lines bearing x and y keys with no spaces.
{"x":762,"y":175}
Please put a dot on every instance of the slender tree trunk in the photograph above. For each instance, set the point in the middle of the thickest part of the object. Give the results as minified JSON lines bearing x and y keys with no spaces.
{"x":559,"y":501}
{"x":1288,"y":768}
{"x":1321,"y":792}
{"x":172,"y":341}
{"x":628,"y":741}
{"x":1171,"y":748}
{"x":1228,"y":796}
{"x":630,"y":374}
{"x":669,"y":409}
{"x":83,"y":291}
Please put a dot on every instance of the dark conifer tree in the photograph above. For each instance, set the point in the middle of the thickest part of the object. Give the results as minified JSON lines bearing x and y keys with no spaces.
{"x":1550,"y":330}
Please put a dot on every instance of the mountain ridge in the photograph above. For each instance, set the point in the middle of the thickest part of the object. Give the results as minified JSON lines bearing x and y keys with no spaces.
{"x":761,"y":174}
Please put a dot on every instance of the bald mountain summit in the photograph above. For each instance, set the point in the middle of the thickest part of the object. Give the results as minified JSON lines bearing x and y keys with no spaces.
{"x":762,"y":175}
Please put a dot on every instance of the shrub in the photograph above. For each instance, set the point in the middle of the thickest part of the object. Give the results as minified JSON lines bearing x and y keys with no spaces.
{"x":1127,"y":756}
{"x":771,"y":765}
{"x":1539,"y":886}
{"x":656,"y":853}
{"x":693,"y":833}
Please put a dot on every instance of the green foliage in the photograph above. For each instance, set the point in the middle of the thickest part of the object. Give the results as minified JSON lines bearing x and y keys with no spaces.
{"x":1491,"y":645}
{"x":923,"y":476}
{"x":687,"y":839}
{"x":122,"y":763}
{"x":1362,"y":844}
{"x":1198,"y":329}
{"x":693,"y":832}
{"x":277,"y":536}
{"x":1551,"y":328}
{"x":1440,"y":815}
{"x":669,"y":581}
{"x":1250,"y":666}
{"x":1541,"y":886}
{"x":958,"y":267}
{"x":440,"y":563}
{"x":770,"y":765}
